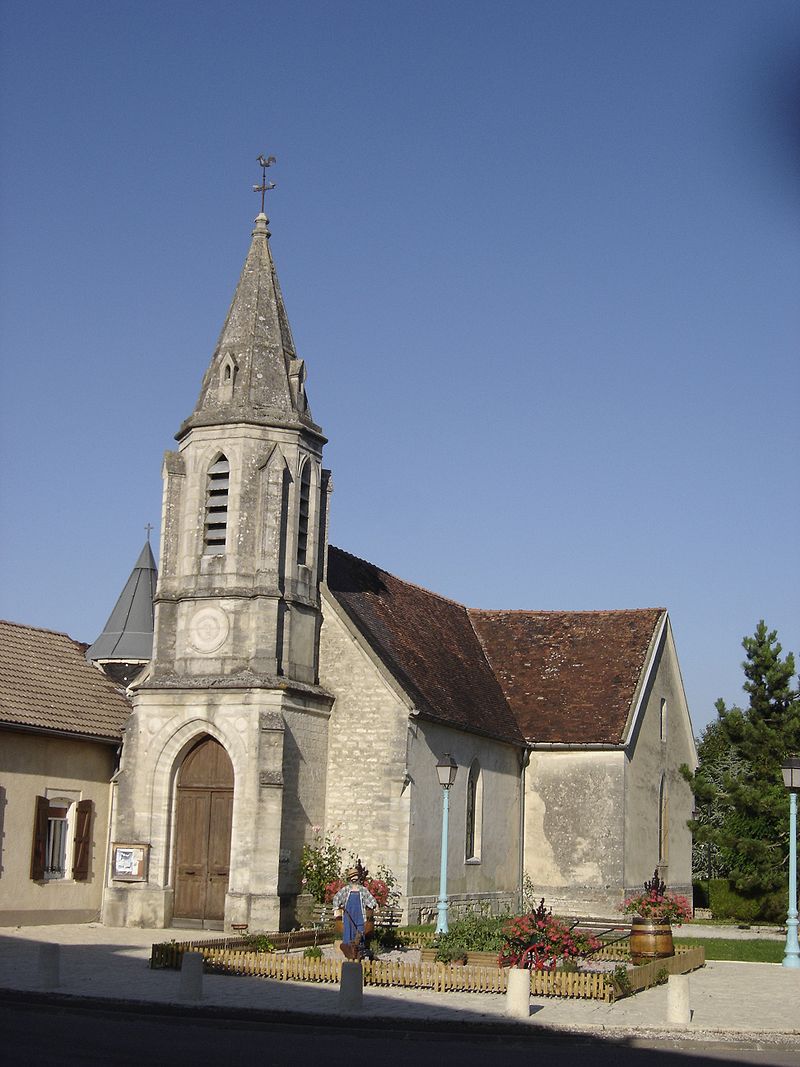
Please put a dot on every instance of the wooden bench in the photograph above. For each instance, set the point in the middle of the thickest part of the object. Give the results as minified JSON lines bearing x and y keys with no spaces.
{"x":321,"y":916}
{"x":387,"y":919}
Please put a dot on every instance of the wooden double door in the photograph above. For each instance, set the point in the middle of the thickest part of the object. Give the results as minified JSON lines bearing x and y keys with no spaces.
{"x":204,"y":810}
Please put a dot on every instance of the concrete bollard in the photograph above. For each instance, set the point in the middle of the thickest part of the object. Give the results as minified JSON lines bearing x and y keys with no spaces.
{"x":191,"y":987}
{"x":678,"y":1011}
{"x":518,"y":993}
{"x":49,"y":965}
{"x":351,"y":986}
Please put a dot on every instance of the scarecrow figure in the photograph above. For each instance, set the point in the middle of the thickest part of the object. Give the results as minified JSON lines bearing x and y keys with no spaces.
{"x":355,"y":906}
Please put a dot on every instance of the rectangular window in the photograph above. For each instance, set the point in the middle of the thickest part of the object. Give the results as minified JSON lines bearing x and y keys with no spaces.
{"x":62,"y":839}
{"x":56,"y":846}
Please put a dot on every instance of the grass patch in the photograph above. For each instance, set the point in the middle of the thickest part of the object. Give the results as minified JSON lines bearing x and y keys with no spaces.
{"x":757,"y":950}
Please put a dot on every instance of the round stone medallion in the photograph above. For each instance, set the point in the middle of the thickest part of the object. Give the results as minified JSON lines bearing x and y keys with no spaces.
{"x":208,"y":630}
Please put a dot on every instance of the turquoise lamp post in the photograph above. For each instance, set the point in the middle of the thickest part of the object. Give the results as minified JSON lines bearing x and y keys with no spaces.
{"x":791,"y":779}
{"x":446,"y":770}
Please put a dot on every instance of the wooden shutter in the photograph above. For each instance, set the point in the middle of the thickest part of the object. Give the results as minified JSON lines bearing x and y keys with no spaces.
{"x":83,"y":840}
{"x":39,"y":850}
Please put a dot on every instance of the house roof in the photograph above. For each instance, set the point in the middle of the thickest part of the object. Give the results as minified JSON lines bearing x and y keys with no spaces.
{"x":128,"y":634}
{"x":427,"y":642}
{"x":568,"y":676}
{"x":46,"y":684}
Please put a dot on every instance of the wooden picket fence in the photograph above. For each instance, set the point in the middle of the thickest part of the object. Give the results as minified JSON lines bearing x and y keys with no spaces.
{"x":168,"y":954}
{"x":687,"y":958}
{"x":233,"y":956}
{"x":438,"y":977}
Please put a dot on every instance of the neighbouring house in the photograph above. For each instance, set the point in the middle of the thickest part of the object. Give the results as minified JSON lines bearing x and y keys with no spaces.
{"x":61,"y":724}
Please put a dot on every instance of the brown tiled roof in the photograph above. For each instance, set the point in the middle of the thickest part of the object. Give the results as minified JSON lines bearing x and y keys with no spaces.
{"x":428,"y":644}
{"x":46,"y":683}
{"x":569,"y":676}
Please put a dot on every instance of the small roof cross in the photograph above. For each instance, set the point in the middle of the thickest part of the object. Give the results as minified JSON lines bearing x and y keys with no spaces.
{"x":265,"y":186}
{"x":148,"y":527}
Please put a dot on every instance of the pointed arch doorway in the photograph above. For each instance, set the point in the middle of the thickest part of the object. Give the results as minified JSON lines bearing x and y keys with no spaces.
{"x":203,"y":814}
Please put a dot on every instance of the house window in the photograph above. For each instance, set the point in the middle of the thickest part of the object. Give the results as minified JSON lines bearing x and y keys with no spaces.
{"x":474,"y":818}
{"x":302,"y":521}
{"x":55,"y":864}
{"x":61,"y":839}
{"x":663,"y":720}
{"x":663,"y":823}
{"x":216,"y":525}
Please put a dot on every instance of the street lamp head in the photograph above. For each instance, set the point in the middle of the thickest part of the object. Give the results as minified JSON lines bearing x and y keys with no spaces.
{"x":446,"y":769}
{"x":791,"y":773}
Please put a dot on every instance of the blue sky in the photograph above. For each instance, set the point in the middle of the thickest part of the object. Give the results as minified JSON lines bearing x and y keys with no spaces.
{"x":540,"y":258}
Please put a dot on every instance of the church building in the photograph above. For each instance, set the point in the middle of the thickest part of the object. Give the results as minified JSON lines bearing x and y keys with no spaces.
{"x":292,"y":685}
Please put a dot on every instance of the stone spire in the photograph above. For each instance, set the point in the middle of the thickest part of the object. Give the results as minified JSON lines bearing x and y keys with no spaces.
{"x":254,"y":376}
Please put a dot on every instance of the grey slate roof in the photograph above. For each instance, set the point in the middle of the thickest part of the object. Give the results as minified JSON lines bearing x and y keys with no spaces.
{"x":128,"y":634}
{"x":267,"y":383}
{"x":46,"y":684}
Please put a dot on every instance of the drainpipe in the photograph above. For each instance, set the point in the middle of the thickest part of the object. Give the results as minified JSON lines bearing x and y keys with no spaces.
{"x":524,"y":761}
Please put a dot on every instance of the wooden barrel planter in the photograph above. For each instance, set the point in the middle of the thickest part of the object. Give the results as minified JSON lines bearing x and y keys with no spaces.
{"x":651,"y":939}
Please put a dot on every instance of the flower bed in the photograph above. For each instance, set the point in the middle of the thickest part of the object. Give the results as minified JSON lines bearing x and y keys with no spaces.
{"x":230,"y":956}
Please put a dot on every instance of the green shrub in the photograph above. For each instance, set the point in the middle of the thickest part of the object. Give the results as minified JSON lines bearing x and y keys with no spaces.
{"x":259,"y":943}
{"x":621,"y":980}
{"x":726,"y":903}
{"x":313,"y":952}
{"x":450,"y":953}
{"x":473,"y":933}
{"x":700,"y":894}
{"x":320,"y":864}
{"x":385,"y":940}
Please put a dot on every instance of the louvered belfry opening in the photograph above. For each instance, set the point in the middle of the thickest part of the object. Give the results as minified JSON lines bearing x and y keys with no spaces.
{"x":216,"y":528}
{"x":302,"y":522}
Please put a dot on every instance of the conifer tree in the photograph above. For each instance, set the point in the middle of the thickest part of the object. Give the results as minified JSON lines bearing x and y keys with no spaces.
{"x":738,"y":784}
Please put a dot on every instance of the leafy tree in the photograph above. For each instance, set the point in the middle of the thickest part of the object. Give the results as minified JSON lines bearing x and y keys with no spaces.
{"x":738,"y":785}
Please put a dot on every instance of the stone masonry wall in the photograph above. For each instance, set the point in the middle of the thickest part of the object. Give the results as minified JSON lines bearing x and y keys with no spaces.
{"x":492,"y":876}
{"x":658,"y":751}
{"x":574,"y":812}
{"x":367,"y":796}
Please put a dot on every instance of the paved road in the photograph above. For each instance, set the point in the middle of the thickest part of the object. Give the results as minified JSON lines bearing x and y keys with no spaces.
{"x":33,"y":1035}
{"x":750,"y":1004}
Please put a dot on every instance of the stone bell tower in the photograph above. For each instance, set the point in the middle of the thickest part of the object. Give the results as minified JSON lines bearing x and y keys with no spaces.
{"x":223,"y":768}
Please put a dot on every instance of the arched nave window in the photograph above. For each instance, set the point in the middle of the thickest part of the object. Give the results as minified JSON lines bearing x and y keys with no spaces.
{"x":663,"y":823}
{"x":474,"y":818}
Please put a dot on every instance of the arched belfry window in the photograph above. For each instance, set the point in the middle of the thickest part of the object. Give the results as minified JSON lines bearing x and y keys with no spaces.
{"x":474,"y":820}
{"x":302,"y":519}
{"x":216,"y":524}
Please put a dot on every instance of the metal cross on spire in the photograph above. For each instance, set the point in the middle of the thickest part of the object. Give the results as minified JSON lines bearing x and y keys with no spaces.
{"x":265,"y":186}
{"x":148,"y":528}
